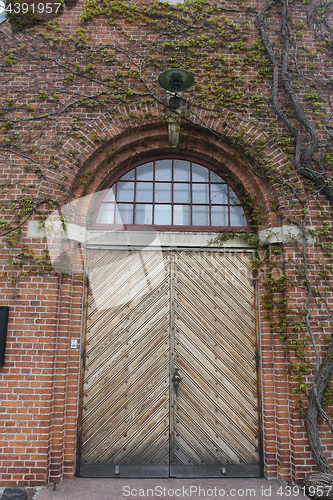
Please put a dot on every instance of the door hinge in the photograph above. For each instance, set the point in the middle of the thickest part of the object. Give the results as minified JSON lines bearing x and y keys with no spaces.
{"x":81,"y":443}
{"x":255,"y":276}
{"x":256,"y":357}
{"x":258,"y":447}
{"x":84,"y":358}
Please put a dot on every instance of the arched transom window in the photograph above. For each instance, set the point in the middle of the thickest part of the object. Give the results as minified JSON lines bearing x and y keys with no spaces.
{"x":171,"y":193}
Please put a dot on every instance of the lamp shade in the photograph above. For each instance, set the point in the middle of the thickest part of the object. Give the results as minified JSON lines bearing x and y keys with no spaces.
{"x":176,"y":79}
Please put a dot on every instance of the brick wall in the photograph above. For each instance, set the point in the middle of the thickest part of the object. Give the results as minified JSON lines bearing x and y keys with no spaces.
{"x":40,"y":382}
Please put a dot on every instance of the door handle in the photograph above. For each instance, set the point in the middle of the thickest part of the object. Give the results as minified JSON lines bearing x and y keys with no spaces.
{"x":176,"y":379}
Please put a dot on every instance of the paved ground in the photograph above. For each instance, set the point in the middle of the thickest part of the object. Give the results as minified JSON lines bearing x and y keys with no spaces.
{"x":171,"y":489}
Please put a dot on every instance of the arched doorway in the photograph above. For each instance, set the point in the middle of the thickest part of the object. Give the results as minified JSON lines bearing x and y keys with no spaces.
{"x":170,"y":385}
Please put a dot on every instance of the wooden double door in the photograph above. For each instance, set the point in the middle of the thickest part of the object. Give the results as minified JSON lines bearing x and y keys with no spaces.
{"x":170,"y":366}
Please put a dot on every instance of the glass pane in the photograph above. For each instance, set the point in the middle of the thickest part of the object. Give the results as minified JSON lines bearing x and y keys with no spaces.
{"x":124,"y":213}
{"x":125,"y":191}
{"x":182,"y":193}
{"x":233,"y":197}
{"x":162,"y":215}
{"x":106,"y":214}
{"x":219,"y":193}
{"x":237,"y":216}
{"x":181,"y":215}
{"x":143,"y":214}
{"x":144,"y":192}
{"x":199,"y":173}
{"x":128,"y":177}
{"x":200,"y":215}
{"x":145,"y":172}
{"x":220,"y":215}
{"x":110,"y":194}
{"x":215,"y":177}
{"x":181,"y":170}
{"x":200,"y":193}
{"x":163,"y":192}
{"x":163,"y":170}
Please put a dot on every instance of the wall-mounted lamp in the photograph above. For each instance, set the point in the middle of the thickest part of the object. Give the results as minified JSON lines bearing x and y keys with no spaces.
{"x":175,"y":80}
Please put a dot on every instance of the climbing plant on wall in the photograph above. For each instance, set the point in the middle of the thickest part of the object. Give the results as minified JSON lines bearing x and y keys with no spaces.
{"x":269,"y":62}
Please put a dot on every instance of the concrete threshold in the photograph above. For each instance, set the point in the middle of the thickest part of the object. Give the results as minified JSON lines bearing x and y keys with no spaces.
{"x":172,"y":489}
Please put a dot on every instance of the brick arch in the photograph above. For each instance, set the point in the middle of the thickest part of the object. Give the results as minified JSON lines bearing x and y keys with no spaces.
{"x":134,"y":143}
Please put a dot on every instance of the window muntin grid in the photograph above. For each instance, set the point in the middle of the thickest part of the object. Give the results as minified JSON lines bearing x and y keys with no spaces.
{"x":171,"y":192}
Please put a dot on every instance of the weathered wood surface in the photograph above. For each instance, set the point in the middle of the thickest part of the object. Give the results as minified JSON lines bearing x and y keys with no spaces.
{"x":216,"y":408}
{"x":125,"y":416}
{"x":148,"y":313}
